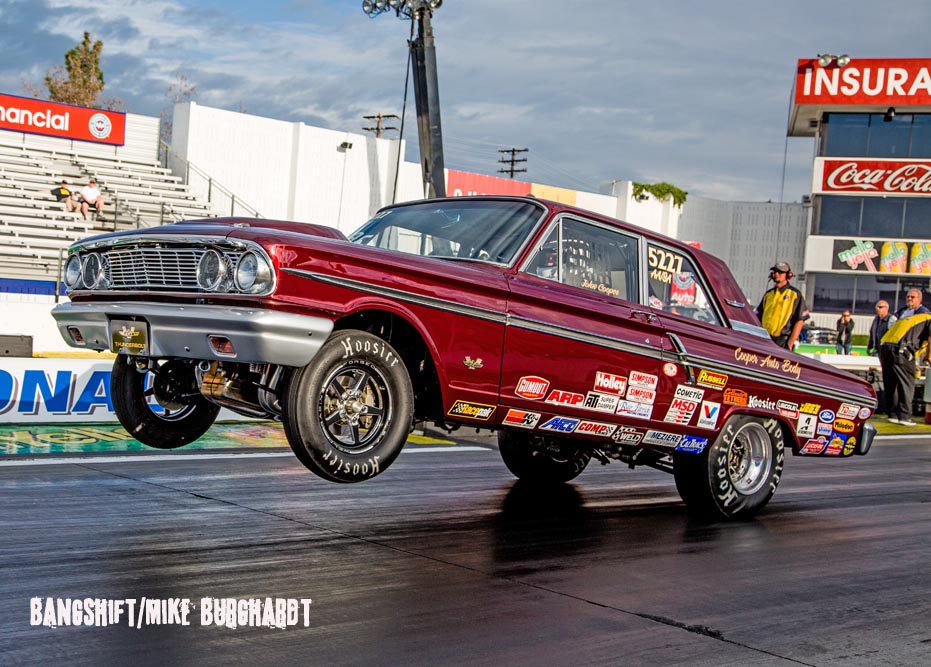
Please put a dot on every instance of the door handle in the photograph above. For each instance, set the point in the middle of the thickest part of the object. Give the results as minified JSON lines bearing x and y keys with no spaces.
{"x":637,"y":314}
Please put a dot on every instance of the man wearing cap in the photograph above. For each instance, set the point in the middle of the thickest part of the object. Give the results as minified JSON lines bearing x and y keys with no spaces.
{"x":904,"y":341}
{"x":782,"y":311}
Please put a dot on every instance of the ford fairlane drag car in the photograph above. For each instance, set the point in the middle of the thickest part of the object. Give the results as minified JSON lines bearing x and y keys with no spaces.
{"x":574,"y":335}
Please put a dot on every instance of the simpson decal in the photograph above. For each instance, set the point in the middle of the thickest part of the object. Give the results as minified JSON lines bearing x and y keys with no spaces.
{"x":638,"y":379}
{"x":471,"y":410}
{"x":640,"y":395}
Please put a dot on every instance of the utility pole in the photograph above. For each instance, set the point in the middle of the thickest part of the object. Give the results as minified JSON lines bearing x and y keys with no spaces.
{"x":378,"y":118}
{"x":513,"y":160}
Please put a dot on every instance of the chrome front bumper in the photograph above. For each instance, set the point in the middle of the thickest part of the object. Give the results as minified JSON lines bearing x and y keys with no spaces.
{"x":257,"y":335}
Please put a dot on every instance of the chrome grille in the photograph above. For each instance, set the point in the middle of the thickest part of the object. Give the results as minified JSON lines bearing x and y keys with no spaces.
{"x":158,"y":268}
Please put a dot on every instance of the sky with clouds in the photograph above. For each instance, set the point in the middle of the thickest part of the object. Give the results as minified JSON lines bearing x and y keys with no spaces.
{"x":692,"y":93}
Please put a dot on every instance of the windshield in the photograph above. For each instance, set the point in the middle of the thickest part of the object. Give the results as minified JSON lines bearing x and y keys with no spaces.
{"x":488,"y":231}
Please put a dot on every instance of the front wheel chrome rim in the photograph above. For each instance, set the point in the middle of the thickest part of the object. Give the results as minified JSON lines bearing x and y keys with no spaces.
{"x":354,"y":407}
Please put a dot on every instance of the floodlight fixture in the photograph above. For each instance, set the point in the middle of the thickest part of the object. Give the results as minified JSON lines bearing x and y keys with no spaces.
{"x":825,"y":59}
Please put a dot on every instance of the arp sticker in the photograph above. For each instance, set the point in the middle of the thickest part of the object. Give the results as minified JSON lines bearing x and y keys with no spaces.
{"x":564,"y":397}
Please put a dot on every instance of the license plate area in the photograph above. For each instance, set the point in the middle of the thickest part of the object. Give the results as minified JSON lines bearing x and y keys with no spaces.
{"x":129,"y":337}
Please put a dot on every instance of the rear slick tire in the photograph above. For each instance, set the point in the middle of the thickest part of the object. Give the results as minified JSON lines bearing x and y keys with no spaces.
{"x":737,"y":475}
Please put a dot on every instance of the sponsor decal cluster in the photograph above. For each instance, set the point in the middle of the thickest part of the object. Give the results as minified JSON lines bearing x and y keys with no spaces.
{"x":560,"y":424}
{"x":768,"y":362}
{"x":787,"y":409}
{"x":609,"y":383}
{"x":471,"y":410}
{"x":531,"y":387}
{"x":711,"y":379}
{"x":601,"y":402}
{"x":599,"y":429}
{"x":736,"y":397}
{"x":635,"y":410}
{"x":708,"y":415}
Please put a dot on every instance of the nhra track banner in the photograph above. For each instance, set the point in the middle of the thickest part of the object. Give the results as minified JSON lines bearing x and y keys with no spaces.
{"x":865,"y":81}
{"x":61,"y":390}
{"x":35,"y":116}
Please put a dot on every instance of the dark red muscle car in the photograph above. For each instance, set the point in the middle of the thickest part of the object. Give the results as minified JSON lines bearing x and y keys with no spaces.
{"x":574,"y":335}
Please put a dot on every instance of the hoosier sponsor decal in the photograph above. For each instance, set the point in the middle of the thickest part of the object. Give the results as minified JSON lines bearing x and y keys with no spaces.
{"x":601,"y":402}
{"x":595,"y":428}
{"x":471,"y":410}
{"x":638,"y":379}
{"x":608,"y":383}
{"x":532,"y":387}
{"x":761,"y":403}
{"x":560,"y":424}
{"x":712,"y":379}
{"x":736,"y":397}
{"x":521,"y":419}
{"x":564,"y":397}
{"x":627,"y":435}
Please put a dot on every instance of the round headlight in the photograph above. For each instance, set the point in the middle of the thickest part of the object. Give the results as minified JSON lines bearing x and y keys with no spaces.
{"x":93,"y":273}
{"x":253,"y":274}
{"x":72,"y":271}
{"x":211,"y":270}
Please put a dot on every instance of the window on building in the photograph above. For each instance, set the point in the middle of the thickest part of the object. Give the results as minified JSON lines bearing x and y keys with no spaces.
{"x":882,"y":217}
{"x":833,"y":292}
{"x":889,"y":138}
{"x":845,"y":134}
{"x":839,"y":216}
{"x":917,"y":218}
{"x":921,"y":136}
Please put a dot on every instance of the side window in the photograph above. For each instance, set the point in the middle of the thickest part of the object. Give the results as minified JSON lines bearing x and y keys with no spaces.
{"x":675,"y":286}
{"x":591,"y":257}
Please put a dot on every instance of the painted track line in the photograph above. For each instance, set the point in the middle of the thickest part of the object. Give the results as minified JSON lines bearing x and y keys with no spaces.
{"x":149,"y":458}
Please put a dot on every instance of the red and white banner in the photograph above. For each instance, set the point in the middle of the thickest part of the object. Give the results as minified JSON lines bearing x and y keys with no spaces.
{"x":865,"y":81}
{"x":870,"y":176}
{"x":25,"y":114}
{"x":463,"y":184}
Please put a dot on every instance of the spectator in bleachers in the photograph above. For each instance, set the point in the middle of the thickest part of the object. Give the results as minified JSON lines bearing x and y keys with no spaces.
{"x":91,"y":198}
{"x":64,"y":194}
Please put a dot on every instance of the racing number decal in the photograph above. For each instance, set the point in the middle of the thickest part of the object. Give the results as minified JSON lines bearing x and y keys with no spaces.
{"x":663,"y":264}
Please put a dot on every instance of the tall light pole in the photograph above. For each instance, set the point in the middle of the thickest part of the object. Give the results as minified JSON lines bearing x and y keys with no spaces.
{"x":426,"y":86}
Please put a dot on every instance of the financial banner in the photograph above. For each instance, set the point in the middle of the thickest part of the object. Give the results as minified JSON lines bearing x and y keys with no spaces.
{"x":25,"y":114}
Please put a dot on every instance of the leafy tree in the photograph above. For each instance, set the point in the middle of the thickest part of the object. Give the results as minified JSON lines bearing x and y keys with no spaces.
{"x":661,"y":191}
{"x":80,"y":80}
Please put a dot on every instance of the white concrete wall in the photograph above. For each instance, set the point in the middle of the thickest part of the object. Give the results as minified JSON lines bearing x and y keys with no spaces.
{"x":648,"y":212}
{"x":30,"y":315}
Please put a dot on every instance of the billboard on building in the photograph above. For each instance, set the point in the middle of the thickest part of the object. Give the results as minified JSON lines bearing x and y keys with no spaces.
{"x":24,"y":114}
{"x":860,"y":176}
{"x":864,"y":81}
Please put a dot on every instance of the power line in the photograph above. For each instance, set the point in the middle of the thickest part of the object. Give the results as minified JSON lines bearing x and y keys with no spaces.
{"x":378,"y":118}
{"x":512,"y":161}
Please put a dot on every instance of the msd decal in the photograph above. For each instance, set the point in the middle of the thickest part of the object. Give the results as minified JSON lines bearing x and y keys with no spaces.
{"x":681,"y":411}
{"x":608,"y":383}
{"x":521,"y":419}
{"x":564,"y":398}
{"x":560,"y":424}
{"x":532,"y":387}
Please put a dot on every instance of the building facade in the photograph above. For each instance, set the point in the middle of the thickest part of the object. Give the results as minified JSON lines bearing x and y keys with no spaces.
{"x":871,"y":181}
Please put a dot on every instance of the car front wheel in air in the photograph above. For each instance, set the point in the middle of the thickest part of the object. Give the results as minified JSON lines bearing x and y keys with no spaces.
{"x":348,"y":412}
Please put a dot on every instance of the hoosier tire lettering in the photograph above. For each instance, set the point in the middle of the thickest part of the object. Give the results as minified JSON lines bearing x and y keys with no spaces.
{"x":348,"y":412}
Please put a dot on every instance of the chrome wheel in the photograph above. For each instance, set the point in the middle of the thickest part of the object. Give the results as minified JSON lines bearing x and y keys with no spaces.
{"x":354,"y":406}
{"x":749,"y":458}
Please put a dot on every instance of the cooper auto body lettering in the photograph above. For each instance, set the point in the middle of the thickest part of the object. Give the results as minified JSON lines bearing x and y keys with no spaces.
{"x":471,"y":410}
{"x":768,"y":362}
{"x":352,"y":347}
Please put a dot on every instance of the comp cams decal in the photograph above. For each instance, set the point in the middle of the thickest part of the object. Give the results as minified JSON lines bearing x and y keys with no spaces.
{"x":598,"y":429}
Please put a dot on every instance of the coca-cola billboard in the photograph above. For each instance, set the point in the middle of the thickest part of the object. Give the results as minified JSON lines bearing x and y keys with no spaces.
{"x":865,"y":81}
{"x":24,"y":114}
{"x":868,"y":176}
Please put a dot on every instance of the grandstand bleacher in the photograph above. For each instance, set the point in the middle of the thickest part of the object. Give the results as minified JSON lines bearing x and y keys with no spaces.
{"x":36,"y":230}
